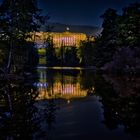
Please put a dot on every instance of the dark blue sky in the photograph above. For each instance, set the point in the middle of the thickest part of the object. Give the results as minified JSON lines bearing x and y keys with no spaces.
{"x":80,"y":12}
{"x":83,"y":12}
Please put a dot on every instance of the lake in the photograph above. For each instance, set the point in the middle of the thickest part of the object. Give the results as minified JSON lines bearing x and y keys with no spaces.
{"x":82,"y":105}
{"x":70,"y":104}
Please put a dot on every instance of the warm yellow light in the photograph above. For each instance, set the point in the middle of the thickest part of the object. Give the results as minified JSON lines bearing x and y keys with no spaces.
{"x":59,"y":39}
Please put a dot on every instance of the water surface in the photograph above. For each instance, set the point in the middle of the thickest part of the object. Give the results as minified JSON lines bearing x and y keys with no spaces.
{"x":70,"y":104}
{"x":84,"y":105}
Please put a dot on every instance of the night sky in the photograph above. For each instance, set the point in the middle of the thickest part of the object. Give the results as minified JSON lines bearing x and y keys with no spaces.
{"x":81,"y":12}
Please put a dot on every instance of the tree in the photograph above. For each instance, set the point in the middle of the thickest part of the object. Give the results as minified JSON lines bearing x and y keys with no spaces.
{"x":17,"y":20}
{"x":106,"y":44}
{"x":70,"y":56}
{"x":50,"y":52}
{"x":128,"y":27}
{"x":86,"y":53}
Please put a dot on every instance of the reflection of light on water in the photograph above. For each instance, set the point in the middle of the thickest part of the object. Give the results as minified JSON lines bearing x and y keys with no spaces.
{"x":40,"y":84}
{"x":60,"y":86}
{"x":68,"y":101}
{"x":67,"y":90}
{"x":59,"y":90}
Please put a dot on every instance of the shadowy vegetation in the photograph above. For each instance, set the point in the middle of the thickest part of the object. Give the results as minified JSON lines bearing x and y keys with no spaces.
{"x":18,"y":115}
{"x":17,"y":20}
{"x":121,"y":99}
{"x":19,"y":118}
{"x":70,"y":56}
{"x":117,"y":48}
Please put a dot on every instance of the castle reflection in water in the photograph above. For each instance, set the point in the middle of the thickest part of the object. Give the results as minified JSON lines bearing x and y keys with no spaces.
{"x":60,"y":85}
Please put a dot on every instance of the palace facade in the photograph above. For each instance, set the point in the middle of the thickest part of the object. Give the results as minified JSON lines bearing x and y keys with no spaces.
{"x":59,"y":39}
{"x":65,"y":35}
{"x":67,"y":39}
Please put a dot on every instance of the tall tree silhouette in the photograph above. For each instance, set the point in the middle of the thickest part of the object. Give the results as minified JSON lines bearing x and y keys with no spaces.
{"x":17,"y":20}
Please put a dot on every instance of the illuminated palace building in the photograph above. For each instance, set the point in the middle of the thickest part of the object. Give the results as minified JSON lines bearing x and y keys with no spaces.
{"x":60,"y":39}
{"x":68,"y":39}
{"x":63,"y":35}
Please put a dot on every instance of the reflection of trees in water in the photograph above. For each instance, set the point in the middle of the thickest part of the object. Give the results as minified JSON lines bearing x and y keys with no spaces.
{"x":50,"y":113}
{"x":18,"y":115}
{"x":47,"y":112}
{"x":86,"y":79}
{"x":119,"y":95}
{"x":121,"y":101}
